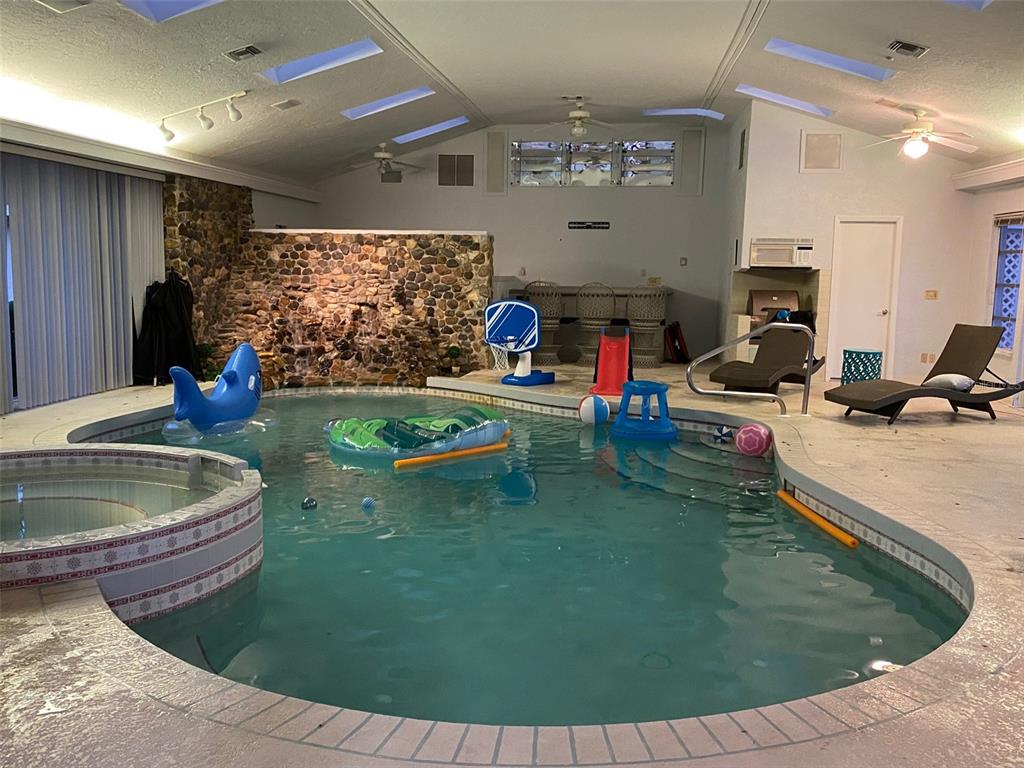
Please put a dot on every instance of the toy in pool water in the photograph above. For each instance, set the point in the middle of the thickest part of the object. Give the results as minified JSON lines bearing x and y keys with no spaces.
{"x":309,"y":503}
{"x":235,"y":396}
{"x":469,"y":430}
{"x":722,"y":434}
{"x":593,"y":409}
{"x":753,"y":440}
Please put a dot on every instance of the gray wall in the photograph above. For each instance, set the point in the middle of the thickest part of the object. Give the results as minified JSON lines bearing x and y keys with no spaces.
{"x":651,"y":228}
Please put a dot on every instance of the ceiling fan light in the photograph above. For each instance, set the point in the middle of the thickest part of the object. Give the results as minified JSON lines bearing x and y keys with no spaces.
{"x":915,"y":147}
{"x":168,"y":134}
{"x":233,"y":114}
{"x":578,"y":130}
{"x":204,"y":120}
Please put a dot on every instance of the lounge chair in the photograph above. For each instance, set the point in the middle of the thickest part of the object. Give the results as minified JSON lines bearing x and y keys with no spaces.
{"x":781,"y":356}
{"x":967,"y":353}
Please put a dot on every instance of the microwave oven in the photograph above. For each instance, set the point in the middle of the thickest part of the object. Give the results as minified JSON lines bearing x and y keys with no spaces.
{"x":781,"y":252}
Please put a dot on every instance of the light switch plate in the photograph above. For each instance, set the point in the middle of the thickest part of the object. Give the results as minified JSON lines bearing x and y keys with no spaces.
{"x":931,"y":295}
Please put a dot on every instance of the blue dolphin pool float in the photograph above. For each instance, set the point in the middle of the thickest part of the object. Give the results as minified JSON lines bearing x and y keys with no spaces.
{"x":235,"y":396}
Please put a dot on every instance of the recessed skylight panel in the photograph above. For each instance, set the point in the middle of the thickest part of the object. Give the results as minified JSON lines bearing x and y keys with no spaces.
{"x":163,"y":10}
{"x":683,"y":112}
{"x":785,"y":101}
{"x":430,"y":130}
{"x":828,"y":60}
{"x":323,"y":61}
{"x":388,"y":102}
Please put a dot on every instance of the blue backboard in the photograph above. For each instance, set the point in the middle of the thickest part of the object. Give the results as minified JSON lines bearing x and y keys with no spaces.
{"x":514,"y":325}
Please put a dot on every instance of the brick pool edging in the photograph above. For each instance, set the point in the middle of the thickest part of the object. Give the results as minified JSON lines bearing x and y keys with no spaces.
{"x":981,"y":649}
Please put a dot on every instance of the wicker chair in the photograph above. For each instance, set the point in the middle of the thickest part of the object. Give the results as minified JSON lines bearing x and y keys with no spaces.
{"x":595,"y":305}
{"x":547,"y":298}
{"x":645,"y":308}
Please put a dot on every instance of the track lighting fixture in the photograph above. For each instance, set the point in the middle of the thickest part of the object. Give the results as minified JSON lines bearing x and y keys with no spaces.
{"x":205,"y":121}
{"x":167,"y":132}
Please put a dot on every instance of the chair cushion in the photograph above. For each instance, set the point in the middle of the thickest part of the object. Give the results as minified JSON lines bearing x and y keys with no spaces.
{"x":955,"y":381}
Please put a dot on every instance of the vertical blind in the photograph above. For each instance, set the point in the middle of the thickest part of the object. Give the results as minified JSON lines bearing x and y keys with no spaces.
{"x":83,"y":244}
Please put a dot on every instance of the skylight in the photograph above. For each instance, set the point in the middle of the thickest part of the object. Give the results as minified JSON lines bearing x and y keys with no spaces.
{"x":388,"y":102}
{"x":430,"y":130}
{"x":786,"y":101}
{"x":974,"y":5}
{"x":323,"y":61}
{"x":828,"y":60}
{"x":162,"y":10}
{"x":673,"y":112}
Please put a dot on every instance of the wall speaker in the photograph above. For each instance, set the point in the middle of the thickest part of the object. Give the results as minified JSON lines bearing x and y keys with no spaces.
{"x":821,"y":152}
{"x":496,"y":161}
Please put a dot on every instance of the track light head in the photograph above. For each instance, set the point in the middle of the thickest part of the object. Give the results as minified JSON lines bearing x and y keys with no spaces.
{"x":168,"y":134}
{"x":204,"y":120}
{"x":233,"y":114}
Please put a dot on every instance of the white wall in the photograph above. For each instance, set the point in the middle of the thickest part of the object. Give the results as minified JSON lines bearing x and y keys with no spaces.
{"x":981,"y":252}
{"x":782,"y":202}
{"x":269,"y":211}
{"x":651,"y":228}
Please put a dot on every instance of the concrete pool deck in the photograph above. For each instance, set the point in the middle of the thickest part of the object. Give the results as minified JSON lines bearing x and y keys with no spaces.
{"x":79,"y":688}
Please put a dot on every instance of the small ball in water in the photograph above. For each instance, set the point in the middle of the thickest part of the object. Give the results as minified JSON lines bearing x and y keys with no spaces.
{"x":309,"y":503}
{"x":368,"y":503}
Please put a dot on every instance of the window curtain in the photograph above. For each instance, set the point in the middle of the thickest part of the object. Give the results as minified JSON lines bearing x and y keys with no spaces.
{"x":145,"y":217}
{"x":72,"y":231}
{"x":6,"y":382}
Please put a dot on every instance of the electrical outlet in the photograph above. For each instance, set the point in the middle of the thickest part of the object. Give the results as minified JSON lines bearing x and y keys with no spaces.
{"x":931,"y":357}
{"x":643,"y":273}
{"x":931,"y":295}
{"x":522,"y":271}
{"x":683,"y":261}
{"x":924,"y":357}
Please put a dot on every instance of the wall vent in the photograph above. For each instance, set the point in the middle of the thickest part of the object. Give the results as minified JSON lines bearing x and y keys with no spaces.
{"x":903,"y":48}
{"x":455,"y":170}
{"x":243,"y":53}
{"x":286,"y":104}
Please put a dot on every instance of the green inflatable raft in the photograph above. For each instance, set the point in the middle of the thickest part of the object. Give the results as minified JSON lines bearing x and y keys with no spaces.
{"x":471,"y":426}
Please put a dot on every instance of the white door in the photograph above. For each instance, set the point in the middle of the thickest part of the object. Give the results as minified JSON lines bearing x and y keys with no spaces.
{"x":865,"y":256}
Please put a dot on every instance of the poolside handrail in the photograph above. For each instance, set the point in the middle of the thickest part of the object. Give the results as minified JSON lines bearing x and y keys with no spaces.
{"x":758,"y":395}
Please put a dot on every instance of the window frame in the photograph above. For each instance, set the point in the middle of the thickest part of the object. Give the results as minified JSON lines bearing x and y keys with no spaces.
{"x":992,"y":285}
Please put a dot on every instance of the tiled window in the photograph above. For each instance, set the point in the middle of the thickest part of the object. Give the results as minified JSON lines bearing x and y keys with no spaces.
{"x":1006,"y":297}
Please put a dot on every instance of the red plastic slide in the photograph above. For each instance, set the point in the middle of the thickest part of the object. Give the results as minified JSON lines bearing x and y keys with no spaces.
{"x":613,"y":368}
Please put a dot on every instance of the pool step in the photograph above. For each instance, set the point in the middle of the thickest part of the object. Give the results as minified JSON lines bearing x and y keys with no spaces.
{"x":676,"y":464}
{"x":703,"y":455}
{"x":631,"y":466}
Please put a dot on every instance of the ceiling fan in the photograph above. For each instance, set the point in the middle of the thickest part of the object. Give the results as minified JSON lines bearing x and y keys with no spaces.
{"x":390,"y":170}
{"x":579,"y":118}
{"x":919,"y":133}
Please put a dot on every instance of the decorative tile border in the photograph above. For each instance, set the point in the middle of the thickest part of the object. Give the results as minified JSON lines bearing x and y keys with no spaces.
{"x":889,"y":546}
{"x":128,"y":559}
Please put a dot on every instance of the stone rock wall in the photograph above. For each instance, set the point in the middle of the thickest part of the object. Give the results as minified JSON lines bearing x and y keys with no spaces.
{"x":340,"y":308}
{"x":206,"y":225}
{"x":325,"y":308}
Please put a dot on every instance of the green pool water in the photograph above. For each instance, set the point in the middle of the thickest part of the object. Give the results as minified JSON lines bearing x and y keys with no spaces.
{"x":572,"y":580}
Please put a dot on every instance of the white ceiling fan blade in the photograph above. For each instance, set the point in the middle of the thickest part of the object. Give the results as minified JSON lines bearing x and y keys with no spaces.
{"x":951,"y":134}
{"x":884,"y":141}
{"x":408,"y":165}
{"x":952,"y":144}
{"x":551,"y":125}
{"x":601,"y":123}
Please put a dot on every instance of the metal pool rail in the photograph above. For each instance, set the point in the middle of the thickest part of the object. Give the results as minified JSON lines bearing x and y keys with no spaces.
{"x":809,"y":363}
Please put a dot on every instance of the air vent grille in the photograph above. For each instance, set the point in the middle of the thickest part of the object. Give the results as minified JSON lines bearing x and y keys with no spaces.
{"x":286,"y":104}
{"x":243,"y":53}
{"x":903,"y":48}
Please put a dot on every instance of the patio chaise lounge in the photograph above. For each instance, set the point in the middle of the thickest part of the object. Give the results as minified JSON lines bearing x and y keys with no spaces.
{"x":781,"y":356}
{"x":966,"y":356}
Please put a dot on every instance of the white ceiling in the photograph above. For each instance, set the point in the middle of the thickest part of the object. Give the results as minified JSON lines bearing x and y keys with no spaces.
{"x":509,"y":61}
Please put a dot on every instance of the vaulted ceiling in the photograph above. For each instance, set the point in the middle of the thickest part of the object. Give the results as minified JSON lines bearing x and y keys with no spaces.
{"x":510,"y":61}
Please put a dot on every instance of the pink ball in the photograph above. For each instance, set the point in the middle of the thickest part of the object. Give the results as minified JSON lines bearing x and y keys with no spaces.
{"x":753,"y":440}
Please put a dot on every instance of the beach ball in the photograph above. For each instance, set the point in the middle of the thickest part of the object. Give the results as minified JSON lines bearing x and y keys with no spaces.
{"x":594,"y":410}
{"x":722,"y":434}
{"x":753,"y":440}
{"x":368,"y":504}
